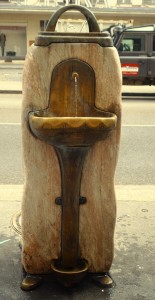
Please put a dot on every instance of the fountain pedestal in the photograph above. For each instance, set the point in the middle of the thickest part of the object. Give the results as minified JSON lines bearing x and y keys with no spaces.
{"x":71,"y":161}
{"x":69,"y":90}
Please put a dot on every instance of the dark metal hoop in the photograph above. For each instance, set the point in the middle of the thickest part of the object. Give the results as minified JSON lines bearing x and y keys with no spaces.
{"x":91,"y":19}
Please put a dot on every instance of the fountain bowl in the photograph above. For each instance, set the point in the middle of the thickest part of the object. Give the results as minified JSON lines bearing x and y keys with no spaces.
{"x":71,"y":276}
{"x":71,"y":131}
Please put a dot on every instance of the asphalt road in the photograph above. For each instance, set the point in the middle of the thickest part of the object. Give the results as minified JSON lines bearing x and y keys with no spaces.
{"x":136,"y":163}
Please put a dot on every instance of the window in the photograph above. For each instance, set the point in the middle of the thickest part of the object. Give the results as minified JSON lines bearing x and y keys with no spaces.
{"x":43,"y":24}
{"x":132,"y":43}
{"x":124,"y":1}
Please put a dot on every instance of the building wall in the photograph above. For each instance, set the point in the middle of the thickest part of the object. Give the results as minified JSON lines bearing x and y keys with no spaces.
{"x":17,"y":39}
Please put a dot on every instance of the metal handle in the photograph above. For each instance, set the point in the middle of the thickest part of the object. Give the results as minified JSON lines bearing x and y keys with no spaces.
{"x":92,"y":22}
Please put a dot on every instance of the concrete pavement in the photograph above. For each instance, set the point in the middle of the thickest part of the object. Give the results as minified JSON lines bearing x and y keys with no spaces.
{"x":134,"y":263}
{"x":133,"y":267}
{"x":11,"y":76}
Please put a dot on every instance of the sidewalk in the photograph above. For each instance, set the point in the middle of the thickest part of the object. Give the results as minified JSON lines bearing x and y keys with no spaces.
{"x":11,"y":77}
{"x":133,"y":267}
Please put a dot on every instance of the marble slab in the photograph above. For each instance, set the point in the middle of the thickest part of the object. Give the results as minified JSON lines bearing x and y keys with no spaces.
{"x":41,"y":217}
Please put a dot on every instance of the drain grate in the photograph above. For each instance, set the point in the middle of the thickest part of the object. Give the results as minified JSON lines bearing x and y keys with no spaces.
{"x":16,"y":222}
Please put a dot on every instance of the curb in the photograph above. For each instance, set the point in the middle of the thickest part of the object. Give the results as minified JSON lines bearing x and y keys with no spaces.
{"x":10,"y":92}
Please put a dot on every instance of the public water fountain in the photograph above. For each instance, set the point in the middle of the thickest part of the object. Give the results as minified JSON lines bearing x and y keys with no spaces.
{"x":71,"y":115}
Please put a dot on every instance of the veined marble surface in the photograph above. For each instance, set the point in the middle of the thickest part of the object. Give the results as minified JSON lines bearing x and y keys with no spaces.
{"x":41,"y":217}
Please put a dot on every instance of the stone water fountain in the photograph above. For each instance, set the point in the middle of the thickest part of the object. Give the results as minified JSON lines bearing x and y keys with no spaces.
{"x":71,"y":130}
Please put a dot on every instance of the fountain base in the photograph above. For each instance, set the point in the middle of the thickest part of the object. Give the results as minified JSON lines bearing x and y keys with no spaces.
{"x":103,"y":280}
{"x":69,"y":277}
{"x":31,"y":282}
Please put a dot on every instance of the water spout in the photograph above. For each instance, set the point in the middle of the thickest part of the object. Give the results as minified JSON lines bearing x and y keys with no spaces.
{"x":75,"y":76}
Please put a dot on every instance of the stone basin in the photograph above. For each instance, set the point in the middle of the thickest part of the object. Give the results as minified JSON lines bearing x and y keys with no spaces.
{"x":71,"y":131}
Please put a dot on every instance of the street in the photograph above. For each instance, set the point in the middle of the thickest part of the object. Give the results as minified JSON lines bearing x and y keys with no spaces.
{"x":136,"y":163}
{"x":133,"y":265}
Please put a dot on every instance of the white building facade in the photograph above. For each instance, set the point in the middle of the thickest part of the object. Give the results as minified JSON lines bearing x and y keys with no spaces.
{"x":21,"y":20}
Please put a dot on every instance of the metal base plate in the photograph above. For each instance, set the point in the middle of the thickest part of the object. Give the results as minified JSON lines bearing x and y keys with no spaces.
{"x":30,"y":282}
{"x":103,"y":280}
{"x":16,"y":222}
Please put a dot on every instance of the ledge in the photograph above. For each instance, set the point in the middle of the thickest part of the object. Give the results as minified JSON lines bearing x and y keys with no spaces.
{"x":32,"y":9}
